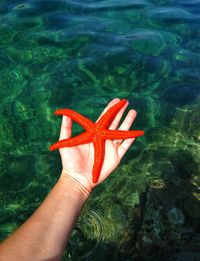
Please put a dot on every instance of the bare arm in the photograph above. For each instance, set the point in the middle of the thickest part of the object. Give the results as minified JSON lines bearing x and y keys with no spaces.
{"x":43,"y":237}
{"x":45,"y":234}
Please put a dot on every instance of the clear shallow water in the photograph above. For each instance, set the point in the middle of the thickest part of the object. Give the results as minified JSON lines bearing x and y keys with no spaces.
{"x":81,"y":54}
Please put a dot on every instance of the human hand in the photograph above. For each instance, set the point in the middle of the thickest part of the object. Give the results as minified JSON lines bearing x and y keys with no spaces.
{"x":78,"y":161}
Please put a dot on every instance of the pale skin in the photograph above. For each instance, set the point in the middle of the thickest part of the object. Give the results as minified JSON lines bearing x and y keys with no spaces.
{"x":45,"y":234}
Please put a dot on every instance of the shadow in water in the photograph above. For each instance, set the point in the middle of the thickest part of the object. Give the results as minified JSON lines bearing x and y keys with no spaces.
{"x":168,"y":216}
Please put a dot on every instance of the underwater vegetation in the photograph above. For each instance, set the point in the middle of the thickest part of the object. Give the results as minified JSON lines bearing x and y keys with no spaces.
{"x":80,"y":55}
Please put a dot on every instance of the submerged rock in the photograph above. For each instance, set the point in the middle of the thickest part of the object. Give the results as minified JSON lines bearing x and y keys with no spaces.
{"x":168,"y":213}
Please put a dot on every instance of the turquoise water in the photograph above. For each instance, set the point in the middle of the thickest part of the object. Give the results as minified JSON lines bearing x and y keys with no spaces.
{"x":82,"y":54}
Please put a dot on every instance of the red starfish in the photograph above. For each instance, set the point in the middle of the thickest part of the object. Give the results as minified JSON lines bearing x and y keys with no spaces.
{"x":96,"y":133}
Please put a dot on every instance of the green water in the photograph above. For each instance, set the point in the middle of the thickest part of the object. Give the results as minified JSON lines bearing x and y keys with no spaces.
{"x":80,"y":55}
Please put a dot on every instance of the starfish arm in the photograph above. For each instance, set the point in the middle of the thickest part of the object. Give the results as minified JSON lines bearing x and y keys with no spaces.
{"x":77,"y":117}
{"x":108,"y":117}
{"x":99,"y":152}
{"x":83,"y":138}
{"x":119,"y":134}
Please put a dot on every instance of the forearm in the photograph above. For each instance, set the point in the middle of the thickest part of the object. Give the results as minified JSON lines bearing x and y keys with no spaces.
{"x":45,"y":234}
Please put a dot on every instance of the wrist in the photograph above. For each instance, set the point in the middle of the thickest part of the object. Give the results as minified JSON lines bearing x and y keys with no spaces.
{"x":68,"y":180}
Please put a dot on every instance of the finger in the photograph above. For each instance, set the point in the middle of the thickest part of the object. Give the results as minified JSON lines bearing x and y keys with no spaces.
{"x":118,"y":117}
{"x":128,"y":121}
{"x":110,"y":104}
{"x":126,"y":124}
{"x":124,"y":147}
{"x":66,"y":128}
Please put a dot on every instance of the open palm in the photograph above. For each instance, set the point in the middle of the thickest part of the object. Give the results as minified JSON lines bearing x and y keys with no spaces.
{"x":78,"y":161}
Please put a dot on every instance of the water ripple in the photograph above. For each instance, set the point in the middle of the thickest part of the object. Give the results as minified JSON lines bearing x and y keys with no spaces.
{"x":93,"y":229}
{"x":170,"y":15}
{"x":110,"y":5}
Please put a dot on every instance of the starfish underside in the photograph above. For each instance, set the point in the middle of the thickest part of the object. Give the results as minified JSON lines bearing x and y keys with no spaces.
{"x":96,"y":133}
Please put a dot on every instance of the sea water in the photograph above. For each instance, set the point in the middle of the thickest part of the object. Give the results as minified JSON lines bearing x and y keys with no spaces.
{"x":81,"y":54}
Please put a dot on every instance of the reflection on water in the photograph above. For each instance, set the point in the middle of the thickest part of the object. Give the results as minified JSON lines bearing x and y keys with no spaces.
{"x":81,"y":54}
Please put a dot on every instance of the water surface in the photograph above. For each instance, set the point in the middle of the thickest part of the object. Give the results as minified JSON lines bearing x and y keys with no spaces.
{"x":82,"y":54}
